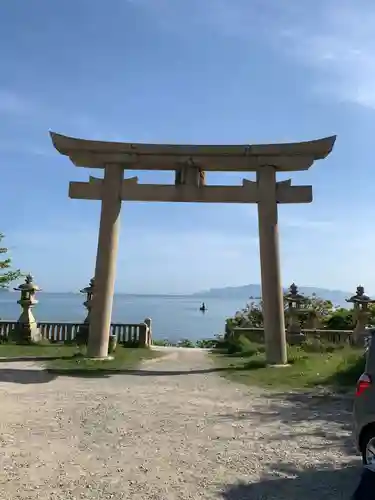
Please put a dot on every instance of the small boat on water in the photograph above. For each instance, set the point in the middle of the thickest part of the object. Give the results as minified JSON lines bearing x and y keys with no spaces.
{"x":203,"y":307}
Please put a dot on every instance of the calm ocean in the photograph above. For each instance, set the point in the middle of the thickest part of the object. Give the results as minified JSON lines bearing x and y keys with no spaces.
{"x":173,"y":318}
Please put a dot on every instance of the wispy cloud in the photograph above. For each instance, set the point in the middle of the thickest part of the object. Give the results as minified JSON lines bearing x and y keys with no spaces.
{"x":290,"y":218}
{"x":148,"y":260}
{"x":13,"y":104}
{"x":315,"y":225}
{"x":229,"y":18}
{"x":27,"y":119}
{"x":28,"y":148}
{"x":35,"y":117}
{"x":333,"y":37}
{"x":338,"y":42}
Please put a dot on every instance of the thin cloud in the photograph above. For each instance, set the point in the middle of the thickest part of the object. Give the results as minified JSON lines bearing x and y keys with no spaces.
{"x":333,"y":37}
{"x":336,"y":39}
{"x":338,"y":43}
{"x":39,"y":117}
{"x":149,"y":259}
{"x":24,"y":147}
{"x":294,"y":222}
{"x":229,"y":18}
{"x":13,"y":104}
{"x":318,"y":225}
{"x":16,"y":105}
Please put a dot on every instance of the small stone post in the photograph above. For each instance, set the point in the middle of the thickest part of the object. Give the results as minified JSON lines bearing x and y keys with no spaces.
{"x":295,"y":301}
{"x":26,"y":330}
{"x":361,"y":314}
{"x":83,"y":333}
{"x":148,"y":322}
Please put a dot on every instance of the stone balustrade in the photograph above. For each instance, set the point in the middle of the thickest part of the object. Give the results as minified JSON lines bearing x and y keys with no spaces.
{"x":59,"y":332}
{"x":332,"y":336}
{"x":28,"y":329}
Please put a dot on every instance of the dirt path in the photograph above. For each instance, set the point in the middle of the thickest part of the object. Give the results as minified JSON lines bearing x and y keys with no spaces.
{"x":173,"y":430}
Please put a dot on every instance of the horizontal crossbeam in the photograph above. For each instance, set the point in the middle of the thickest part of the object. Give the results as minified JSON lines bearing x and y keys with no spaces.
{"x":248,"y":193}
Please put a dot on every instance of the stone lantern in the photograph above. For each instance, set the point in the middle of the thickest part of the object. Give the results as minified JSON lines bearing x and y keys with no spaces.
{"x":294,"y":309}
{"x":83,"y":332}
{"x":84,"y":329}
{"x":89,"y":291}
{"x":361,"y":314}
{"x":26,"y":330}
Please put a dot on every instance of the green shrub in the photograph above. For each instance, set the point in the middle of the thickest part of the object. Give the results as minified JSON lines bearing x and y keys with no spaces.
{"x":208,"y":343}
{"x":243,"y":346}
{"x":186,"y":343}
{"x":296,"y":354}
{"x":250,"y":316}
{"x":162,"y":343}
{"x":317,"y":345}
{"x":340,"y":319}
{"x":348,"y":371}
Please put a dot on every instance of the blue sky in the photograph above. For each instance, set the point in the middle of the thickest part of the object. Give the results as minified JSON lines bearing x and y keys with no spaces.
{"x":188,"y":71}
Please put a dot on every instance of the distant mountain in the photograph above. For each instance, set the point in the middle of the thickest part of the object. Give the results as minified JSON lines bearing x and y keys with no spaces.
{"x":245,"y":292}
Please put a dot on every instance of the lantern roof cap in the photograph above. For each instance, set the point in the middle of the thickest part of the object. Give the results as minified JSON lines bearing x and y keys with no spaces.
{"x":89,"y":288}
{"x":293,"y":294}
{"x":29,"y":285}
{"x":360,"y":297}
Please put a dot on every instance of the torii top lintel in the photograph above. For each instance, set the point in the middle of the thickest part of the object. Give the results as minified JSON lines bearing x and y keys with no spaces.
{"x":242,"y":158}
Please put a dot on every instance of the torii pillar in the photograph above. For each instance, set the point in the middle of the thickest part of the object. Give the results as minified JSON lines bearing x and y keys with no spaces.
{"x":272,"y":290}
{"x":106,"y":259}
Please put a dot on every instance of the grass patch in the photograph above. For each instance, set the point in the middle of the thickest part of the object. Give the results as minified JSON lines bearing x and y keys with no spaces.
{"x":36,"y":351}
{"x":335,"y":367}
{"x":65,"y":360}
{"x":124,"y":359}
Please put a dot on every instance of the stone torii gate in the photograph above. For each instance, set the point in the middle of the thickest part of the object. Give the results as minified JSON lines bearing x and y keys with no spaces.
{"x":190,"y":163}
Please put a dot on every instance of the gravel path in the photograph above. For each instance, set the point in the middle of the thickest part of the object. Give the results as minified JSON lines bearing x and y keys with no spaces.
{"x":173,"y":430}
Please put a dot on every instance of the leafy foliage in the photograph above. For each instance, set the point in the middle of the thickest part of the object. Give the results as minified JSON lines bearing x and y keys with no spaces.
{"x":7,"y":275}
{"x":315,"y":313}
{"x":317,"y":310}
{"x":186,"y":343}
{"x":340,"y":319}
{"x":207,"y":343}
{"x":202,"y":343}
{"x":250,"y":316}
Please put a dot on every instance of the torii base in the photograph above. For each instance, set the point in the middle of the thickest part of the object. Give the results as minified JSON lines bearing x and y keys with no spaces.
{"x":105,"y":358}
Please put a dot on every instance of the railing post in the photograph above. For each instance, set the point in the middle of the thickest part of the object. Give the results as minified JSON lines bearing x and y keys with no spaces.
{"x":148,"y":340}
{"x":142,"y":335}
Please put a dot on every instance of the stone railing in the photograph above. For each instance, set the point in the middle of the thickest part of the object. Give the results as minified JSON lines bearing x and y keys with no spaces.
{"x":332,"y":336}
{"x":31,"y":330}
{"x":53,"y":331}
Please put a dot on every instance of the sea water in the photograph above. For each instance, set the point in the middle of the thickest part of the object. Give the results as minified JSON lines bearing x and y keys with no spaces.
{"x":173,"y":317}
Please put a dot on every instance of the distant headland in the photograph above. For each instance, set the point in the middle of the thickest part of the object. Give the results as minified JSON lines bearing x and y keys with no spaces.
{"x":254,"y":292}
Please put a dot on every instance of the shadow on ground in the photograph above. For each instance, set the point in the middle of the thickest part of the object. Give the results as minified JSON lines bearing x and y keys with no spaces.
{"x":16,"y":359}
{"x":25,"y":376}
{"x":300,"y":407}
{"x":100,"y":373}
{"x":37,"y":376}
{"x":323,"y":483}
